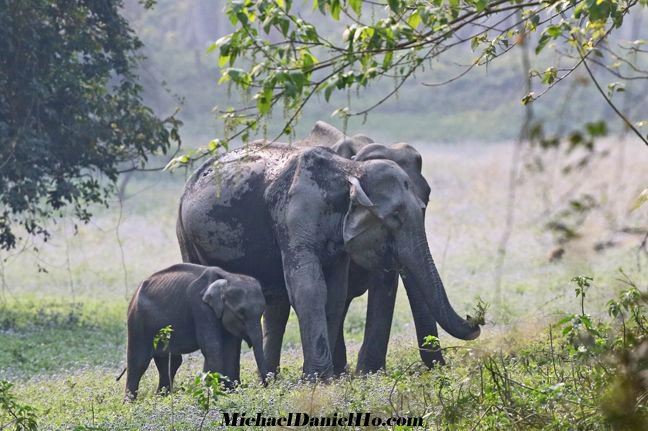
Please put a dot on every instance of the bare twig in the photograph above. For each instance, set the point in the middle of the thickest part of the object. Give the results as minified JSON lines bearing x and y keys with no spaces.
{"x":609,"y":102}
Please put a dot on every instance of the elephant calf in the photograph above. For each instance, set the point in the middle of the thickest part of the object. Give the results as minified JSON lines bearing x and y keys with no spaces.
{"x":208,"y":309}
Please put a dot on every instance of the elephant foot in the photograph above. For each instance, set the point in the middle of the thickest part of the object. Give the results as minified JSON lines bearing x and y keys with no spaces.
{"x":324,"y":376}
{"x":433,"y":359}
{"x":368,"y":368}
{"x":341,"y":370}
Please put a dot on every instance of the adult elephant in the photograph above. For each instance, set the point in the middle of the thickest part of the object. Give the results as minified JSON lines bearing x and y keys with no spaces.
{"x":294,"y":218}
{"x":382,"y":283}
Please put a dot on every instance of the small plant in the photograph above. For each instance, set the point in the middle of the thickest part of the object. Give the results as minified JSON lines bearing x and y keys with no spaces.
{"x":583,"y":283}
{"x":585,"y":337}
{"x":206,"y":387}
{"x":22,"y":417}
{"x":163,"y":336}
{"x":479,"y":311}
{"x":431,"y":341}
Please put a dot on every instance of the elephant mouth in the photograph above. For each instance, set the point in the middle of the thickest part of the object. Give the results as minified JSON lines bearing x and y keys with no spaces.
{"x":371,"y":251}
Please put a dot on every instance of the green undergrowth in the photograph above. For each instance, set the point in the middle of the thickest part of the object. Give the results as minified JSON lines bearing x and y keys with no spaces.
{"x":47,"y":335}
{"x":583,"y":371}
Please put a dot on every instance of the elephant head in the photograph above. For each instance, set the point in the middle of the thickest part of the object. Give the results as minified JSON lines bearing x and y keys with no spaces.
{"x":361,"y":147}
{"x":239,"y":303}
{"x":385,"y":218}
{"x":405,"y":156}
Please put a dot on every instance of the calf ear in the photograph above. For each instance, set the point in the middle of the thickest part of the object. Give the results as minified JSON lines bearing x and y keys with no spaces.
{"x":213,"y":296}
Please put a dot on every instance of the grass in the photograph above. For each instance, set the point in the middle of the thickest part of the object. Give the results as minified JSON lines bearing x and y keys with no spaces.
{"x":62,"y":332}
{"x":537,"y":381}
{"x":47,"y":336}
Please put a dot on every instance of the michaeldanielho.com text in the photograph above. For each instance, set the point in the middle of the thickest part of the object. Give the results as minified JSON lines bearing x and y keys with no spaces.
{"x":303,"y":419}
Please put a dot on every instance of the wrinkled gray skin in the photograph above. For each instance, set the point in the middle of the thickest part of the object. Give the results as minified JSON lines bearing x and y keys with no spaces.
{"x":208,"y":309}
{"x":293,"y":218}
{"x":382,"y":283}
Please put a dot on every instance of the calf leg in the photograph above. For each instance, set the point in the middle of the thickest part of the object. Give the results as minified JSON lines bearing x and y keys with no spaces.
{"x":138,"y":359}
{"x":232,"y":358}
{"x":166,"y":379}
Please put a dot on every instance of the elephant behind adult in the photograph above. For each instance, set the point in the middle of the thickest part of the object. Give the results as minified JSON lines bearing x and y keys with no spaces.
{"x":382,"y":284}
{"x":293,"y":218}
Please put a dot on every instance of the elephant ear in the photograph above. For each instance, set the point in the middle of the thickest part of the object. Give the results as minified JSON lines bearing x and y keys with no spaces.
{"x":349,"y":147}
{"x":323,"y":134}
{"x":363,"y":139}
{"x":373,"y":151}
{"x":344,"y":148}
{"x":214,"y":296}
{"x":359,"y":217}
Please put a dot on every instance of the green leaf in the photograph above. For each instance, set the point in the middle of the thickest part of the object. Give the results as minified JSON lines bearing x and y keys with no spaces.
{"x":597,"y":128}
{"x":641,"y":199}
{"x":336,"y":8}
{"x":387,"y":60}
{"x":414,"y":20}
{"x":480,"y":5}
{"x":264,"y":100}
{"x":299,"y":79}
{"x":554,"y":31}
{"x":550,"y":75}
{"x":223,"y":60}
{"x":454,"y":6}
{"x":544,"y":40}
{"x":356,"y":5}
{"x":328,"y":90}
{"x":528,"y":98}
{"x":394,"y":5}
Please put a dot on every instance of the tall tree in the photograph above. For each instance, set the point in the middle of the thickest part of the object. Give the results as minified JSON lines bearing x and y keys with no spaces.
{"x":71,"y":113}
{"x":281,"y":55}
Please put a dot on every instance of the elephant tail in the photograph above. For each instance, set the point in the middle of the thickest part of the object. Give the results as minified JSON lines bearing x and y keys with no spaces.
{"x":121,"y":374}
{"x":186,"y":249}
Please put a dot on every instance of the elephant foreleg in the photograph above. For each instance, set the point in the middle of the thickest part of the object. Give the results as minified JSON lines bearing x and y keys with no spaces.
{"x":232,"y":358}
{"x":306,"y":286}
{"x":210,"y":335}
{"x":380,"y":312}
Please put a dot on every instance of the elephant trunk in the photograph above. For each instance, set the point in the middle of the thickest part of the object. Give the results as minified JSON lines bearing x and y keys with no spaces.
{"x":256,"y":338}
{"x":422,"y":279}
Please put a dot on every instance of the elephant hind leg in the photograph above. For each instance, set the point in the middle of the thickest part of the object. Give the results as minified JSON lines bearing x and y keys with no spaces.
{"x":380,"y":312}
{"x":275,"y":319}
{"x":166,"y":378}
{"x":138,"y":359}
{"x":340,"y":365}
